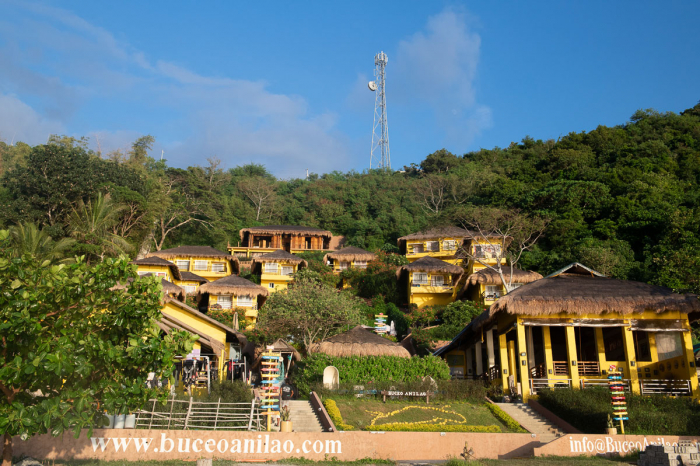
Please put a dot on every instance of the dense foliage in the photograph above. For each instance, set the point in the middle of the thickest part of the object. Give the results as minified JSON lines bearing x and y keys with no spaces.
{"x":588,"y":410}
{"x":368,"y":370}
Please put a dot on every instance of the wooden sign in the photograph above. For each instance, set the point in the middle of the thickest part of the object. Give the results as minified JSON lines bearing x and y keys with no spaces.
{"x":386,"y":393}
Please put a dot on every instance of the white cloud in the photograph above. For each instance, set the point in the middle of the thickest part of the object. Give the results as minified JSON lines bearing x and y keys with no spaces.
{"x":438,"y":67}
{"x":19,"y":122}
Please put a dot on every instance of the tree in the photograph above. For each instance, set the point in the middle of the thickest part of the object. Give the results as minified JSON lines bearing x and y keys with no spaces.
{"x":507,"y":233}
{"x":27,"y":238}
{"x":72,"y":348}
{"x":261,"y":193}
{"x":91,"y":225}
{"x":309,"y":312}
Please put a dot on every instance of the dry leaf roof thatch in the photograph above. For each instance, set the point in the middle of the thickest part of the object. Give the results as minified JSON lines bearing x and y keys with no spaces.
{"x":197,"y":251}
{"x":359,"y":342}
{"x":278,"y":256}
{"x":233,"y":285}
{"x":192,"y":277}
{"x":431,"y":264}
{"x":285,"y":229}
{"x":351,"y":253}
{"x":160,"y":262}
{"x":437,"y":232}
{"x":490,"y":277}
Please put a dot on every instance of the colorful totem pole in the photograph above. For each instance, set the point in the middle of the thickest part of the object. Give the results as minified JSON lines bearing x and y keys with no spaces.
{"x":617,"y":394}
{"x":380,"y":325}
{"x":270,"y":397}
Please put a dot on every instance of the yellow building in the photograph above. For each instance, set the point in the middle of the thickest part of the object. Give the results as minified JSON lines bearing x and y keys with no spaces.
{"x":441,"y":243}
{"x":204,"y":261}
{"x":256,"y":241}
{"x":485,"y":286}
{"x":276,"y":269}
{"x":216,"y":341}
{"x":158,"y":267}
{"x":190,"y":282}
{"x":233,"y":292}
{"x":348,"y":258}
{"x":430,"y":281}
{"x":567,"y":329}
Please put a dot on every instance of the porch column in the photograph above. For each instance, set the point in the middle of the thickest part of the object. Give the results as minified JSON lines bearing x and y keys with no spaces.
{"x":631,"y":358}
{"x":571,"y":355}
{"x":470,"y":364}
{"x":600,"y":346}
{"x":490,"y":349}
{"x":530,"y":347}
{"x":505,"y":367}
{"x":690,"y":362}
{"x":522,"y":362}
{"x":548,"y":358}
{"x":479,"y":359}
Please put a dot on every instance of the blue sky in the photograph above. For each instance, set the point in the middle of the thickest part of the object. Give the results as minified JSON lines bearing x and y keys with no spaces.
{"x":285,"y":83}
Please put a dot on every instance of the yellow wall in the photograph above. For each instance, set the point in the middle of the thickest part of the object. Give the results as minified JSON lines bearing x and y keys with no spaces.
{"x":156,"y":269}
{"x":184,"y":283}
{"x":251,"y":313}
{"x":336,"y":265}
{"x":208,"y":274}
{"x":280,"y":281}
{"x":443,"y":254}
{"x":427,"y":295}
{"x":476,"y":265}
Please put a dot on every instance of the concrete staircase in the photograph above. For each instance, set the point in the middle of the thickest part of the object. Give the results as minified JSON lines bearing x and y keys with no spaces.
{"x":303,"y":417}
{"x":532,"y":421}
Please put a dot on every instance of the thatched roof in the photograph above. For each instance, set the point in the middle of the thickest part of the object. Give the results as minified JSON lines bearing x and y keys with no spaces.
{"x":233,"y":285}
{"x":437,"y":232}
{"x":431,"y":264}
{"x":279,"y":256}
{"x":159,"y":262}
{"x":351,"y":253}
{"x":490,"y":277}
{"x":197,"y":251}
{"x":169,"y":288}
{"x":192,"y":277}
{"x":285,"y":229}
{"x":359,"y":342}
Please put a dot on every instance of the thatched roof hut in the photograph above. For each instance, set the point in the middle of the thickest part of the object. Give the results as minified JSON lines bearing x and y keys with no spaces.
{"x":169,"y":288}
{"x":192,"y":277}
{"x":431,"y":265}
{"x":197,"y":251}
{"x":159,"y":262}
{"x":350,"y":254}
{"x":277,"y":256}
{"x":284,"y":230}
{"x":359,"y":342}
{"x":490,"y":277}
{"x":233,"y":285}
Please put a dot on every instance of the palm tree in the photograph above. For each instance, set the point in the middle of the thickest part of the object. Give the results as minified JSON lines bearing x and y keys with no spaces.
{"x":90,"y":225}
{"x":27,"y":238}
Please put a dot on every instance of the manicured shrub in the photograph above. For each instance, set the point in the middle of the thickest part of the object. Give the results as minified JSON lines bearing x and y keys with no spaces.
{"x":418,"y":427}
{"x":502,"y":416}
{"x":335,"y":415}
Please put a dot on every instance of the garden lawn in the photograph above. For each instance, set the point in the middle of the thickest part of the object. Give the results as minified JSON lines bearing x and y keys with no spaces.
{"x":361,"y":411}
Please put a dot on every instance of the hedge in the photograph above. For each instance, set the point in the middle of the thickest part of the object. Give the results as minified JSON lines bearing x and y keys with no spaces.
{"x":368,"y":370}
{"x":502,"y":416}
{"x":335,"y":415}
{"x":413,"y":427}
{"x":588,"y":410}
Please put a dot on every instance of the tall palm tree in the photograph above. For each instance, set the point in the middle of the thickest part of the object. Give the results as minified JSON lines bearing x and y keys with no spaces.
{"x":91,"y":225}
{"x":27,"y":238}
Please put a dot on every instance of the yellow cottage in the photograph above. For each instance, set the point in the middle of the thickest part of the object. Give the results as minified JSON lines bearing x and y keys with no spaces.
{"x":567,"y":329}
{"x":216,"y":341}
{"x":233,"y":292}
{"x":256,"y":241}
{"x":485,"y":286}
{"x":441,"y":243}
{"x":276,"y":269}
{"x":204,"y":261}
{"x":348,"y":258}
{"x":430,"y":281}
{"x":158,"y":267}
{"x":190,"y":282}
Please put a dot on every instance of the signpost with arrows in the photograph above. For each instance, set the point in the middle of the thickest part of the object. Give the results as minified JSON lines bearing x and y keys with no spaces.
{"x":617,"y":393}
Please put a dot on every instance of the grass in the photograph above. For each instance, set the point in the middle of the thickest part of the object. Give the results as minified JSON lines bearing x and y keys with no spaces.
{"x":361,"y":412}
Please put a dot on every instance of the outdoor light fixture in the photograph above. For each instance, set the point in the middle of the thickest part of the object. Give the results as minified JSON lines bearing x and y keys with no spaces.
{"x":573,"y":363}
{"x":522,"y":354}
{"x":522,"y":363}
{"x":632,"y":363}
{"x":550,"y":371}
{"x":505,"y":371}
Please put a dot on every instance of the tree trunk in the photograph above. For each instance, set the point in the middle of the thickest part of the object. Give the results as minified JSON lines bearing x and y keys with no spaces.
{"x":7,"y":451}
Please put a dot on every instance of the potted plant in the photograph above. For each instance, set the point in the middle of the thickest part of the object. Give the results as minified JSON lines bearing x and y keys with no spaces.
{"x":285,"y":414}
{"x":611,"y":430}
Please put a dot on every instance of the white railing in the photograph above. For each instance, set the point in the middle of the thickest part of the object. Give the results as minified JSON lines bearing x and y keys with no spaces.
{"x":538,"y":384}
{"x":195,"y":415}
{"x":603,"y":383}
{"x":665,"y":387}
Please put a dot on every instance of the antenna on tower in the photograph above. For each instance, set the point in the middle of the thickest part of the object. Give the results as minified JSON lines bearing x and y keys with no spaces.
{"x":379,"y":153}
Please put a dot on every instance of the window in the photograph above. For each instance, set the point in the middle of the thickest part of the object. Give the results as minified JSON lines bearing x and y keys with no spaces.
{"x":437,"y":280}
{"x":183,"y":265}
{"x":416,"y":248}
{"x":360,"y":264}
{"x":641,"y":346}
{"x":142,"y":273}
{"x":270,"y":267}
{"x":271,"y":285}
{"x":614,"y":344}
{"x":189,"y":289}
{"x":487,"y":251}
{"x":201,"y":265}
{"x":431,"y":246}
{"x":492,"y":292}
{"x":669,"y":345}
{"x":449,"y":245}
{"x":420,"y":278}
{"x":245,"y":301}
{"x":161,"y":274}
{"x":287,"y":270}
{"x":218,"y":267}
{"x":455,"y":359}
{"x":224,"y":302}
{"x":344,"y":265}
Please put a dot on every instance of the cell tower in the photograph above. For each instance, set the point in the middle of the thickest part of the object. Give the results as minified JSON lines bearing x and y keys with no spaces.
{"x":379,"y":153}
